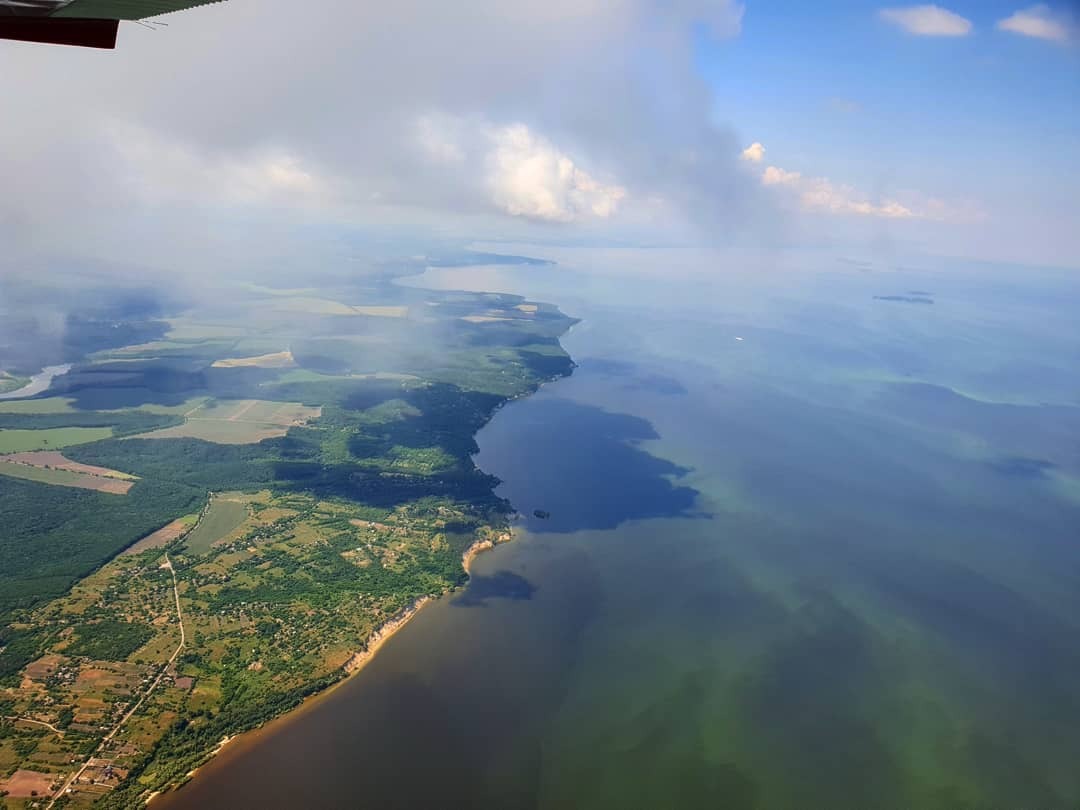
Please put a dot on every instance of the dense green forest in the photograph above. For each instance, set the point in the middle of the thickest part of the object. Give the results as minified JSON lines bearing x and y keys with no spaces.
{"x":53,"y":536}
{"x":109,"y":639}
{"x":123,"y":423}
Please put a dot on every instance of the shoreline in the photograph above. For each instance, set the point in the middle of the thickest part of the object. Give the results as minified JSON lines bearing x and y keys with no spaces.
{"x":382,"y":634}
{"x":38,"y":382}
{"x":356,"y":664}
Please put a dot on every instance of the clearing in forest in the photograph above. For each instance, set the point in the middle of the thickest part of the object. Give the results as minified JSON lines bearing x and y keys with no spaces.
{"x":65,"y":478}
{"x":224,"y":515}
{"x":273,"y":360}
{"x":238,"y":421}
{"x":46,"y":405}
{"x":54,"y":460}
{"x":18,"y":441}
{"x":24,"y":784}
{"x":163,"y":536}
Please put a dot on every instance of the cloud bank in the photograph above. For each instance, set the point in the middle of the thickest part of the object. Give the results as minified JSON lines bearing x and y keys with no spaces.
{"x":478,"y":116}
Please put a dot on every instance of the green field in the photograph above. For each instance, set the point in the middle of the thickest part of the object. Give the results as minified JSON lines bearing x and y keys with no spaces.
{"x":222,"y":517}
{"x":174,"y":410}
{"x":45,"y":476}
{"x":18,"y":441}
{"x":67,"y":478}
{"x":236,"y":421}
{"x":37,"y":406}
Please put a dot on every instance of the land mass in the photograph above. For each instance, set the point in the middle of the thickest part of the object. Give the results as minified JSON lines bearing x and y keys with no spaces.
{"x":230,"y":507}
{"x":907,"y":299}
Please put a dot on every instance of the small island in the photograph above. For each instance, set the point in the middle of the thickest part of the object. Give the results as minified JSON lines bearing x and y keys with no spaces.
{"x":908,"y":299}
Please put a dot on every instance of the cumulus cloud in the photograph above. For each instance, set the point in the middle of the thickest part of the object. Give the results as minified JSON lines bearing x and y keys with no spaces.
{"x":821,"y":194}
{"x":1038,"y":22}
{"x":511,"y":169}
{"x":529,"y":177}
{"x":754,"y":153}
{"x":927,"y":21}
{"x":824,"y":196}
{"x":469,"y":115}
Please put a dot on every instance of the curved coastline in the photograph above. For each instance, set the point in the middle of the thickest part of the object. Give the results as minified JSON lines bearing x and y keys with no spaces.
{"x":356,"y":664}
{"x":38,"y":383}
{"x":235,"y":744}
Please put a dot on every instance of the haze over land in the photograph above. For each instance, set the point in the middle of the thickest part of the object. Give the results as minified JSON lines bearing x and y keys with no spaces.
{"x":792,"y":515}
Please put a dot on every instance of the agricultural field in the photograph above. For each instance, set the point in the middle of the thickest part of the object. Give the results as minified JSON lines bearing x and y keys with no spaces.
{"x":51,"y":467}
{"x":50,"y":405}
{"x":64,"y":478}
{"x":163,"y":536}
{"x":50,"y":459}
{"x":245,"y":421}
{"x":270,"y":360}
{"x":286,"y":601}
{"x":301,"y":499}
{"x":223,"y":515}
{"x":20,"y":441}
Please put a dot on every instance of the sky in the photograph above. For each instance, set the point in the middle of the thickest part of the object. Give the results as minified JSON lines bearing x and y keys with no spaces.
{"x":243,"y":132}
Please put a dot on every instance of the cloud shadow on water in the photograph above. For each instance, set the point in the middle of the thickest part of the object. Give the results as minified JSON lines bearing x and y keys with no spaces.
{"x":636,"y":378}
{"x":583,"y":466}
{"x":500,"y":585}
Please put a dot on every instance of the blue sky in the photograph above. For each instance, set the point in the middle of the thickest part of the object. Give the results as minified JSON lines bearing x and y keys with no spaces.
{"x":835,"y":90}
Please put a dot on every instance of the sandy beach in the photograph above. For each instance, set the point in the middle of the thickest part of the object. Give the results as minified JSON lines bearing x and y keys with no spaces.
{"x":382,"y":635}
{"x":361,"y":658}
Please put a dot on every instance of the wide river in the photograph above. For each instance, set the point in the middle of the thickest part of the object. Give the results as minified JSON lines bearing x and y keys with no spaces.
{"x":808,"y":548}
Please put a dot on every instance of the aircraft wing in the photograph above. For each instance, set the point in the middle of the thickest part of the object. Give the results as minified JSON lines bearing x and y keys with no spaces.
{"x":90,"y":23}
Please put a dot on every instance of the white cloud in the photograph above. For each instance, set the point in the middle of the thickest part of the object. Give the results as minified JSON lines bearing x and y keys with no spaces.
{"x":529,"y":177}
{"x":775,"y":176}
{"x":821,"y":194}
{"x":1038,"y":22}
{"x":354,"y":126}
{"x":927,"y":21}
{"x":438,"y":137}
{"x":754,"y":153}
{"x":159,"y":170}
{"x":510,"y":169}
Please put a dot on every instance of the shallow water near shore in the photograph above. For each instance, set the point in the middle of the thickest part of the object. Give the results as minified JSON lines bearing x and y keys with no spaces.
{"x":806,"y":548}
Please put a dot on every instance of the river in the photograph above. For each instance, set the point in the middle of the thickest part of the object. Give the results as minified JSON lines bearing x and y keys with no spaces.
{"x":38,"y":383}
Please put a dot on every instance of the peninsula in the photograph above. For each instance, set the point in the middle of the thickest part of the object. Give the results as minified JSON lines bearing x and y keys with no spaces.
{"x":209,"y":522}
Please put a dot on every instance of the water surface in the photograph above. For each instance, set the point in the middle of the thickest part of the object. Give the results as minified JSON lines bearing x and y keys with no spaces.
{"x":808,"y":546}
{"x":38,"y":383}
